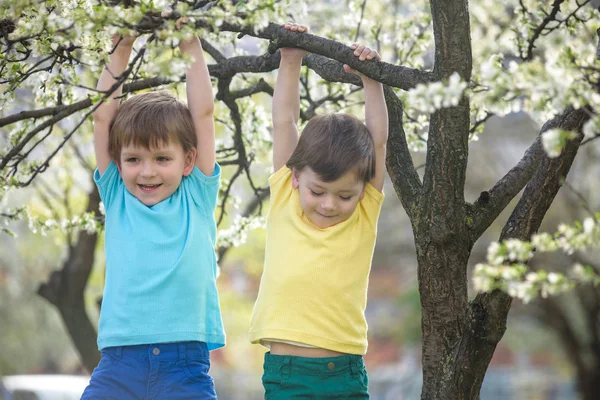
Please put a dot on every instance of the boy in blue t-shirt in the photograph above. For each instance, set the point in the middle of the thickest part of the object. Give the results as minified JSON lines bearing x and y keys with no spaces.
{"x":158,"y":179}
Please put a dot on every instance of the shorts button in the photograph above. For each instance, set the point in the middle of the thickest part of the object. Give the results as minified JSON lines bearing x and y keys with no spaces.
{"x":330,"y":366}
{"x":156,"y":351}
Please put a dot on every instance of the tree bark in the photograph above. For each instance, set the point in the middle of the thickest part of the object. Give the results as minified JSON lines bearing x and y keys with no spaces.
{"x":441,"y":236}
{"x":488,"y":311}
{"x":588,"y":381}
{"x":65,"y":289}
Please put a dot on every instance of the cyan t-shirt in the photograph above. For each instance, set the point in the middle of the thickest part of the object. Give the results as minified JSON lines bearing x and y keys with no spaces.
{"x":160,"y":264}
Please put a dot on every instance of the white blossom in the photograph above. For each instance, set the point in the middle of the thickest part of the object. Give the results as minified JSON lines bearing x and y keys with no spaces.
{"x":551,"y":140}
{"x":434,"y":96}
{"x":506,"y":269}
{"x":590,"y":128}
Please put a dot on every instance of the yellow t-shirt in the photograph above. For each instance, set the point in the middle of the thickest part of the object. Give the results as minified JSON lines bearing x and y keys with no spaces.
{"x":314,"y":284}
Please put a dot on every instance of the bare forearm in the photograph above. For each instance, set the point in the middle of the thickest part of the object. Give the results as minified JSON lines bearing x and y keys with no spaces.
{"x":116,"y":66}
{"x":286,"y":109}
{"x":201,"y":104}
{"x":286,"y":97}
{"x":376,"y":115}
{"x":198,"y":84}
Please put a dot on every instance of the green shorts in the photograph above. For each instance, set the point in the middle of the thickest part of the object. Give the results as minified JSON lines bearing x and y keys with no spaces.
{"x":292,"y":377}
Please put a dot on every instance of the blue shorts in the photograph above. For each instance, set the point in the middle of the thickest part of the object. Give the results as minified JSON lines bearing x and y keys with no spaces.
{"x":157,"y":371}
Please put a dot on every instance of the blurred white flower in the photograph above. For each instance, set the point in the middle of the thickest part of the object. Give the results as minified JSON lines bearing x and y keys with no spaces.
{"x":551,"y":140}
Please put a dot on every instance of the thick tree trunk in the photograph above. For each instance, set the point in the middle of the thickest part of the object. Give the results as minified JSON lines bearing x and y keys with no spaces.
{"x":459,"y":338}
{"x":441,"y":235}
{"x":443,"y":289}
{"x":82,"y":331}
{"x":65,"y":289}
{"x":588,"y":381}
{"x":463,"y":355}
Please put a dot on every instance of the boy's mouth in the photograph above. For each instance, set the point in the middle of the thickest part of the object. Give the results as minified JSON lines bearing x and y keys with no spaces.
{"x":149,"y":188}
{"x":326,"y":216}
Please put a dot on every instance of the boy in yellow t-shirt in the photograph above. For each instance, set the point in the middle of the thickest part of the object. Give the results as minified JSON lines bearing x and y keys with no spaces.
{"x":326,"y":195}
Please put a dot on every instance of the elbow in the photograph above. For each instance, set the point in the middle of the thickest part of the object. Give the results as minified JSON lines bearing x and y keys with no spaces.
{"x":380,"y":147}
{"x":283,"y":118}
{"x":283,"y":122}
{"x":206,"y":117}
{"x":100,"y":117}
{"x":210,"y":110}
{"x":206,"y":112}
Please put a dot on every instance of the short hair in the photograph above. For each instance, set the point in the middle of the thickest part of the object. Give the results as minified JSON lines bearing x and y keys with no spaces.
{"x":150,"y":120}
{"x":333,"y":144}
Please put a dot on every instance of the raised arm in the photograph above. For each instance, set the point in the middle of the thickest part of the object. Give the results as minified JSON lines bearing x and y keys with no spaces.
{"x":286,"y":102}
{"x":376,"y":118}
{"x":376,"y":114}
{"x":201,"y":105}
{"x":106,"y":111}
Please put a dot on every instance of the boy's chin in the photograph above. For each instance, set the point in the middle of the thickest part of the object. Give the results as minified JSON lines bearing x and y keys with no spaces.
{"x":322,"y":222}
{"x":150,"y":200}
{"x":149,"y":203}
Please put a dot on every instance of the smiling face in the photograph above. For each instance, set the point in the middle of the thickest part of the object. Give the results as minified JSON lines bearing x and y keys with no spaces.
{"x":327,"y":203}
{"x":152,"y":175}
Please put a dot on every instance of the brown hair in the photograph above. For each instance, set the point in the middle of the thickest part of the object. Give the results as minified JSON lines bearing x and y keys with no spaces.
{"x":150,"y":120}
{"x":334,"y":144}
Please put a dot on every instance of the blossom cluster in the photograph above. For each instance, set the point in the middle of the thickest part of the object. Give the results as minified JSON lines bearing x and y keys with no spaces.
{"x":428,"y":98}
{"x":506,"y":267}
{"x":88,"y":222}
{"x":425,"y":99}
{"x":560,"y":73}
{"x":554,"y":140}
{"x":237,"y":233}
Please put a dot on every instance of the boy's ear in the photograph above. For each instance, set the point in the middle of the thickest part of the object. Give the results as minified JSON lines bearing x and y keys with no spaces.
{"x":118,"y":164}
{"x":295,"y":178}
{"x":190,"y":161}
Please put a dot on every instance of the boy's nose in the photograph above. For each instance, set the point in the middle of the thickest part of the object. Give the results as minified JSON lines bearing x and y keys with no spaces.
{"x":328,"y":203}
{"x":147,"y":171}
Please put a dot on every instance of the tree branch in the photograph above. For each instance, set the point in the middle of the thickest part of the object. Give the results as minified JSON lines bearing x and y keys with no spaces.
{"x":242,"y":161}
{"x":403,"y":174}
{"x":544,"y":185}
{"x":392,"y":75}
{"x":492,"y":202}
{"x":260,"y":86}
{"x":538,"y":31}
{"x":227,"y":68}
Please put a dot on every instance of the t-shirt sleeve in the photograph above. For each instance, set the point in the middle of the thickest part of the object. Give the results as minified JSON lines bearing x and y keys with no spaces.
{"x":205,"y":189}
{"x":280,"y":184}
{"x":371,"y":204}
{"x":109,"y":183}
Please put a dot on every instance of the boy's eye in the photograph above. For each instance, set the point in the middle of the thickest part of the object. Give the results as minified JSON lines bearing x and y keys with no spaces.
{"x":131,"y":159}
{"x":315,"y":193}
{"x":345,"y":198}
{"x":162,"y":158}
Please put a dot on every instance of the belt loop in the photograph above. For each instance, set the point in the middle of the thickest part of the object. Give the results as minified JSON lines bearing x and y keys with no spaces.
{"x":286,"y":367}
{"x":181,"y":354}
{"x":118,"y":352}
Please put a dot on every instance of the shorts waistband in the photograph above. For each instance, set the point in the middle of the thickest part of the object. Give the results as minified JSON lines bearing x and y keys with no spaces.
{"x":308,"y":365}
{"x":177,"y":351}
